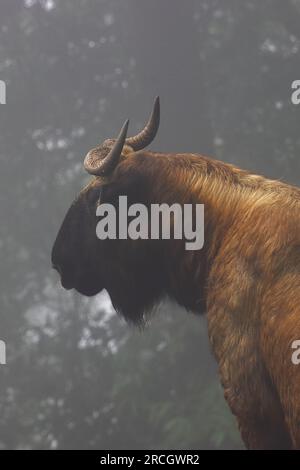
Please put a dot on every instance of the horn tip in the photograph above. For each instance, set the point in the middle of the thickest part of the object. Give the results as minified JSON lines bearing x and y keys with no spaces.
{"x":124,"y":129}
{"x":125,"y":126}
{"x":156,"y":107}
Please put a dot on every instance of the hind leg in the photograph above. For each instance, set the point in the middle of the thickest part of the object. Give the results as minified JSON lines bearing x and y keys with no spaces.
{"x":260,"y":434}
{"x":280,"y":328}
{"x":261,"y":423}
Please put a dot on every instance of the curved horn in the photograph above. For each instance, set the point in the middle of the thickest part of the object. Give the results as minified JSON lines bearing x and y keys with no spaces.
{"x":146,"y":136}
{"x":105,"y":166}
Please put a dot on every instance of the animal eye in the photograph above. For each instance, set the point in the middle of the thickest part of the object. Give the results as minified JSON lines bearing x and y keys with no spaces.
{"x":93,"y":196}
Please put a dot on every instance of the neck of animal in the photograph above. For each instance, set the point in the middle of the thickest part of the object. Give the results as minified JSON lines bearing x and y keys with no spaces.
{"x":232,"y":198}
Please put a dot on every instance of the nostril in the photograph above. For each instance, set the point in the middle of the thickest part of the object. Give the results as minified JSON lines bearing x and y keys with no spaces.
{"x":66,"y":276}
{"x":57,"y":268}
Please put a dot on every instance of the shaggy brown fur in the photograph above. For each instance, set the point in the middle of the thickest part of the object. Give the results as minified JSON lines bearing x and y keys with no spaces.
{"x":246,"y":278}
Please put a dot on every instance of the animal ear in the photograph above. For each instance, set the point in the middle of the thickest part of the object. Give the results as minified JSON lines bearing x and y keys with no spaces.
{"x":130,"y":184}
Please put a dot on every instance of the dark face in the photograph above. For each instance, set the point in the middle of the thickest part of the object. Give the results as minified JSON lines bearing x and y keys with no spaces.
{"x":128,"y":269}
{"x":74,"y":250}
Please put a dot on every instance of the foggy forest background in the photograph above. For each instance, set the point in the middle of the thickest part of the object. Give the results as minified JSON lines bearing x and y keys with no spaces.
{"x":76,"y":375}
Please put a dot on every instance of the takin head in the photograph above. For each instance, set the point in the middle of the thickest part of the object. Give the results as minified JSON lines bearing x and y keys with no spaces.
{"x":88,"y":264}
